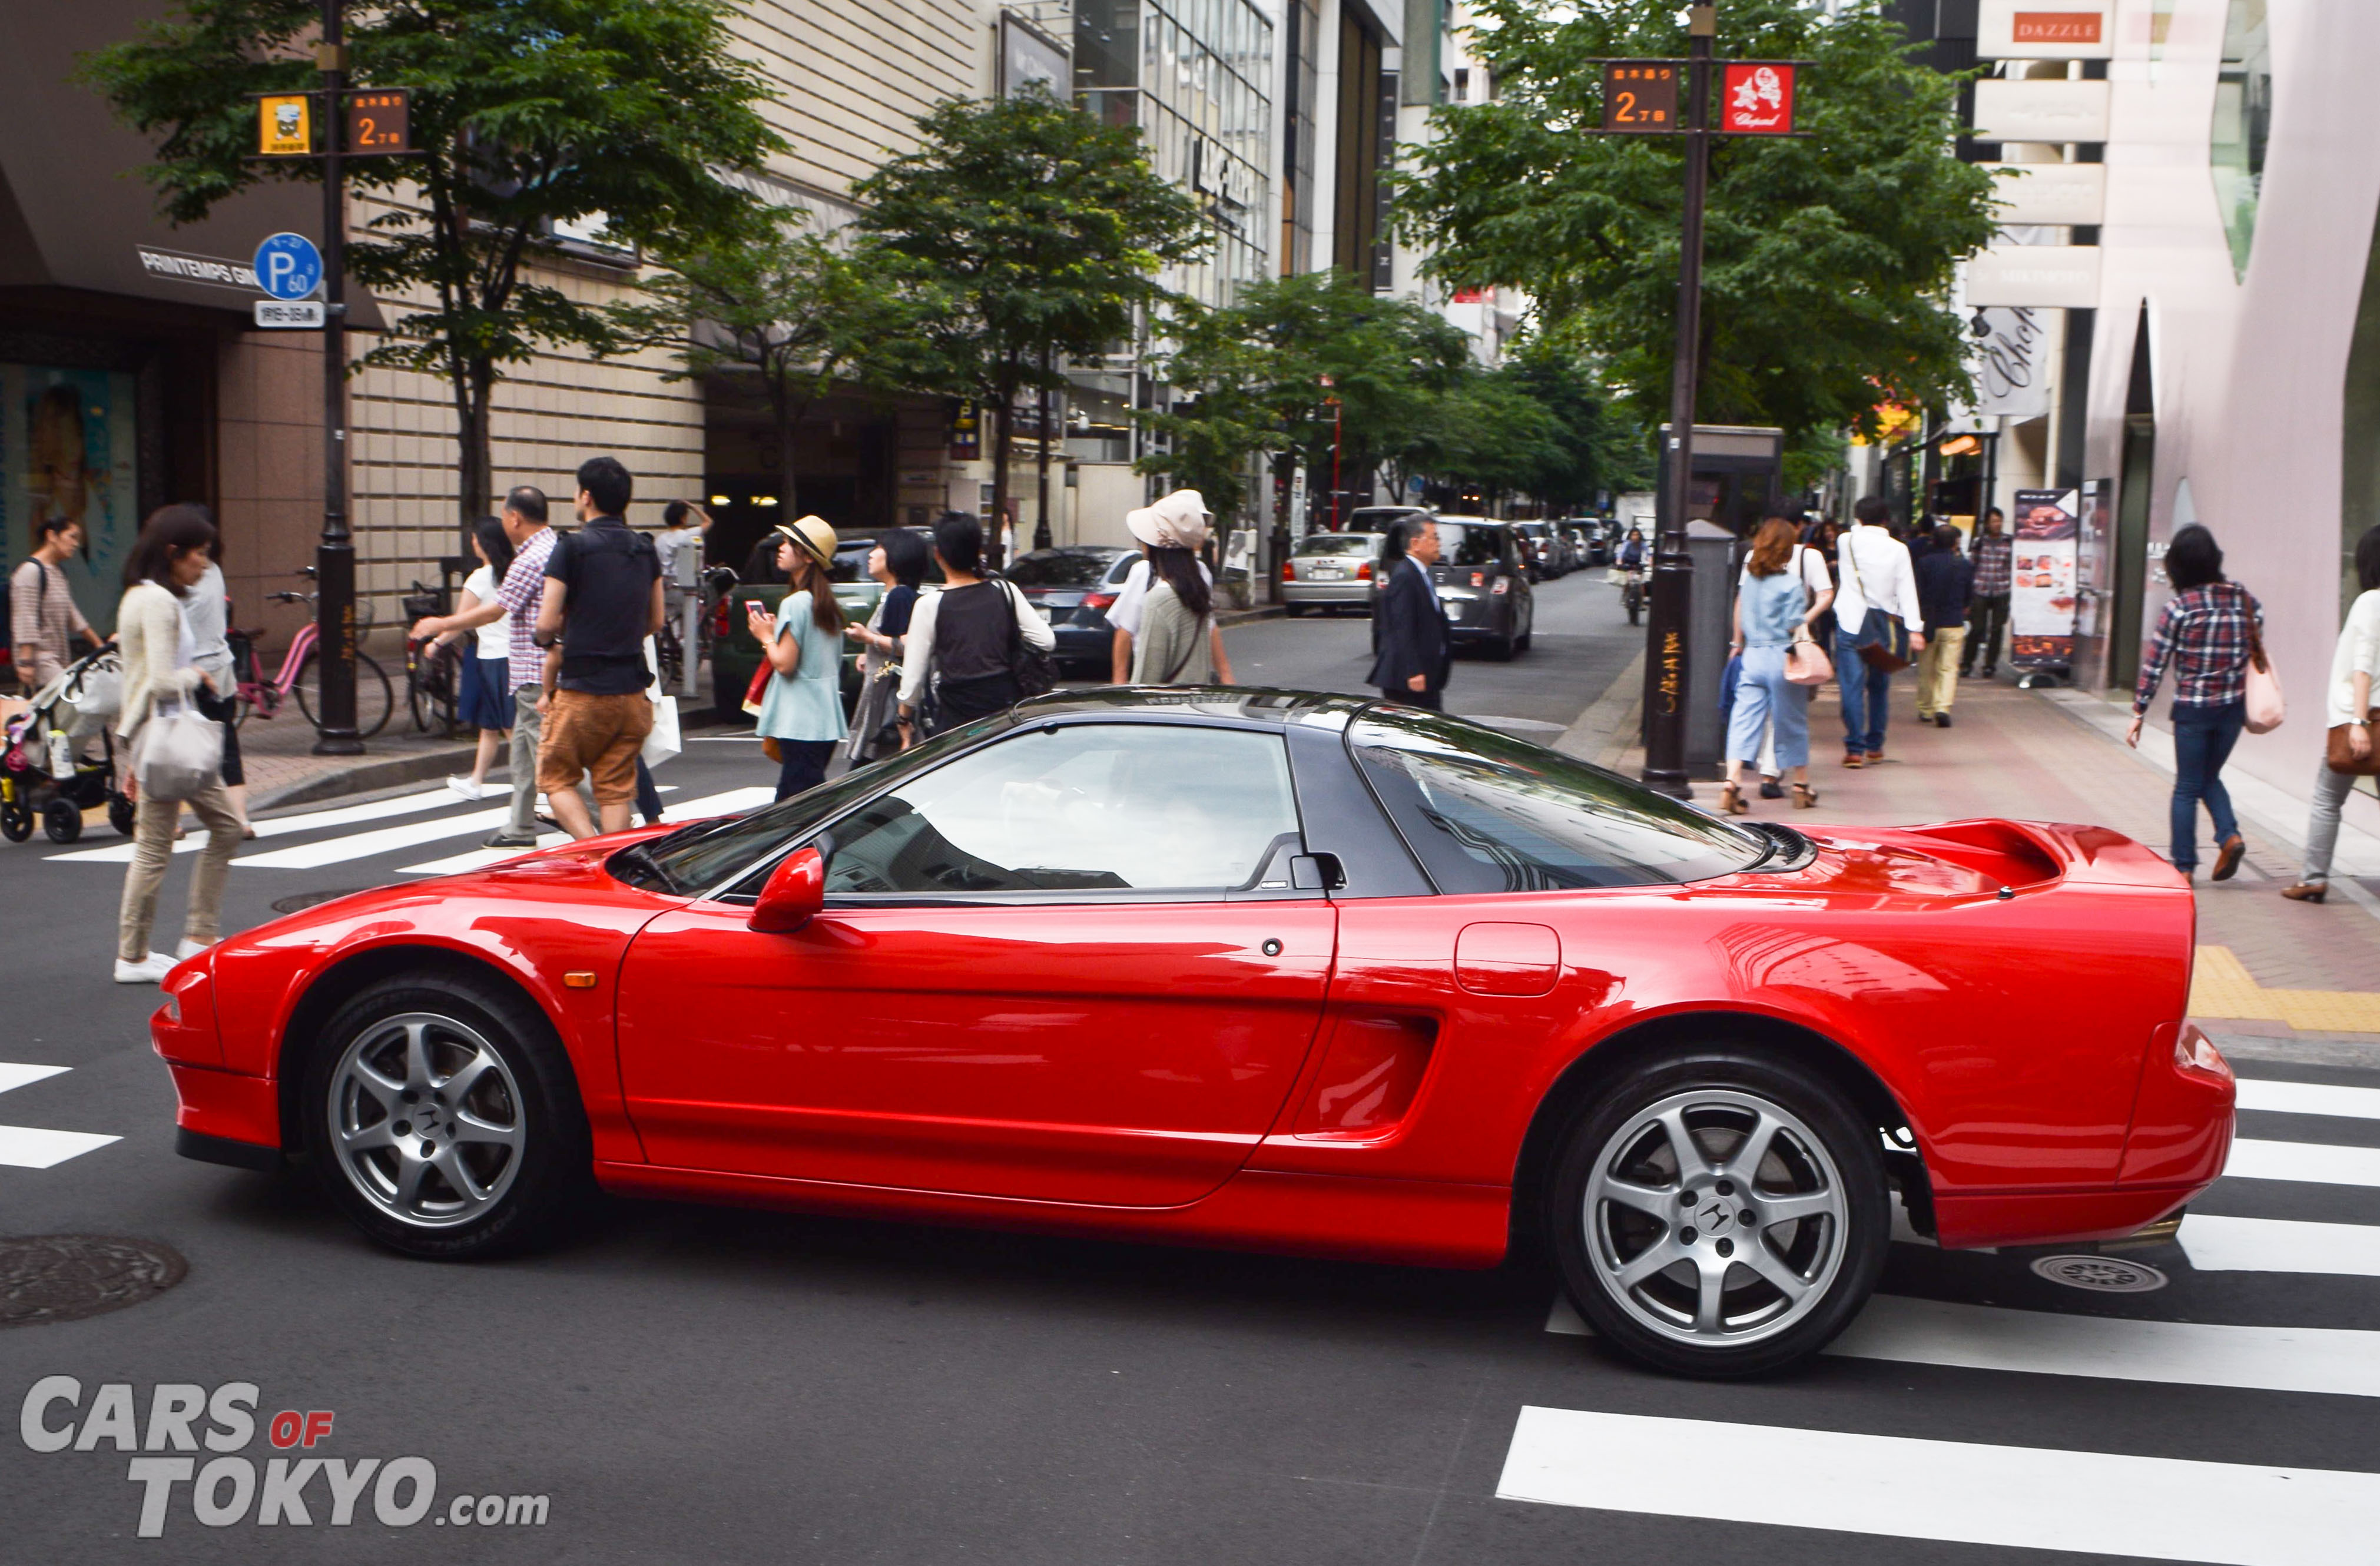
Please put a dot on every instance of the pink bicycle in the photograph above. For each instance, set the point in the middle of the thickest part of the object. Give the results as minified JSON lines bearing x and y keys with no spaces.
{"x":301,"y":675}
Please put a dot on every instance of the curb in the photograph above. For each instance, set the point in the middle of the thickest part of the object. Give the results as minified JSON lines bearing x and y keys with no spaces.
{"x":366,"y":776}
{"x":1230,"y":617}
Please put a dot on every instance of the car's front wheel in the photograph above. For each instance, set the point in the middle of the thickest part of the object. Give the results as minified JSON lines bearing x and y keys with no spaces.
{"x":1720,"y":1213}
{"x":444,"y":1118}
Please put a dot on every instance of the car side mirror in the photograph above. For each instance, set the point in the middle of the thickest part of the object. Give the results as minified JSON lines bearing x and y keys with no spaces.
{"x":796,"y":895}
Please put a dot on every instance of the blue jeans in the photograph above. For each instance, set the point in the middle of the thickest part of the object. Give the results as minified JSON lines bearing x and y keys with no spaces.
{"x":1868,"y":698}
{"x":1764,"y":695}
{"x":2202,"y":738}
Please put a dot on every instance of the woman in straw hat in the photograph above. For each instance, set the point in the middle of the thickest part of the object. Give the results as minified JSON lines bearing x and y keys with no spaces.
{"x":1175,"y":640}
{"x":802,"y":709}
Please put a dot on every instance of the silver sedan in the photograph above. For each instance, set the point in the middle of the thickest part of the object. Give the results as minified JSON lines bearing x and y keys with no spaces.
{"x":1330,"y":571}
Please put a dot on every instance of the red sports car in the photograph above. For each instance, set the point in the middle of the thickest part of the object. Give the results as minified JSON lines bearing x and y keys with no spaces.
{"x":1256,"y":969}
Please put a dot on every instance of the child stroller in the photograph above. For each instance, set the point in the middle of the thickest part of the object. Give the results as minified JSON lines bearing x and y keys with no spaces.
{"x":47,"y":753}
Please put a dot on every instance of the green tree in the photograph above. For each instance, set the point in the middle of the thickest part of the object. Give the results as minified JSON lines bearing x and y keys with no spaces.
{"x":790,"y":310}
{"x":1828,"y":260}
{"x":528,"y":113}
{"x":1044,"y":229}
{"x":1598,"y":442}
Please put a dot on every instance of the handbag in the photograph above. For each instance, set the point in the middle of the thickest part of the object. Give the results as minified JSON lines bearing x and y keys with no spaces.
{"x":2341,"y":759}
{"x":666,"y":739}
{"x":1882,"y":639}
{"x":1029,"y":666}
{"x":2266,"y":706}
{"x":1807,"y":662}
{"x":180,"y":754}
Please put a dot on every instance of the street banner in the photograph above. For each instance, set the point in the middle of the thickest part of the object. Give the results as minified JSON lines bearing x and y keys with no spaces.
{"x":1759,"y":98}
{"x":2041,"y":594}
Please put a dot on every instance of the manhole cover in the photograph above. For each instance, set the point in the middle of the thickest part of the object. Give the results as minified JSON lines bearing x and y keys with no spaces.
{"x":67,"y":1277}
{"x":299,"y":902}
{"x":2106,"y":1275}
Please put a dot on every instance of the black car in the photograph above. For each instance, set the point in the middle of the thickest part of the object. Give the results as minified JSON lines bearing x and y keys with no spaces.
{"x":1483,"y":582}
{"x":1073,"y":588}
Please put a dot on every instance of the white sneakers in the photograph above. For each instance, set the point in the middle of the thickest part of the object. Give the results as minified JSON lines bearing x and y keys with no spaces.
{"x":189,"y":949}
{"x":468,"y":789}
{"x":151,"y":969}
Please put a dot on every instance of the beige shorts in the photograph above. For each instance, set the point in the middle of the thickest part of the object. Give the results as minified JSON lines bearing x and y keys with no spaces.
{"x":599,"y":736}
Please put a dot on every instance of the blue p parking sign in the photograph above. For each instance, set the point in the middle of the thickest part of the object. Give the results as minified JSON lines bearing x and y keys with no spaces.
{"x":288,"y":266}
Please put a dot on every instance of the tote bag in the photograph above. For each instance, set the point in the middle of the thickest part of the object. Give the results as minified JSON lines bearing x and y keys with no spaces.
{"x":180,"y":752}
{"x":2267,"y":706}
{"x":1807,"y":662}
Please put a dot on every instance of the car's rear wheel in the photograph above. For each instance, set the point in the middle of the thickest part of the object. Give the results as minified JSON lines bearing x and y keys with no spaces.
{"x":1719,"y":1213}
{"x":444,"y":1118}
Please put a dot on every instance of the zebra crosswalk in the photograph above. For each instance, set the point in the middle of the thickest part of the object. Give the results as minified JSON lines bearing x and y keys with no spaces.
{"x":27,"y":1147}
{"x":2079,"y":1498}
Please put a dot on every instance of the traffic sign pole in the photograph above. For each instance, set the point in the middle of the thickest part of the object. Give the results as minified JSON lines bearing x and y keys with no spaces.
{"x":335,"y":556}
{"x":1669,"y":651}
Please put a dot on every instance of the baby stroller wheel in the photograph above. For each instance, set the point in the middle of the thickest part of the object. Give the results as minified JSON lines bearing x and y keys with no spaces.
{"x":15,"y":821}
{"x":62,"y":821}
{"x":120,"y":813}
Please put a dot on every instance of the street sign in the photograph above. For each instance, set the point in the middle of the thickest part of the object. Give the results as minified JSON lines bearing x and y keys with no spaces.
{"x":291,"y":315}
{"x":1641,"y":96}
{"x":285,"y":126}
{"x":380,"y":121}
{"x":288,"y":266}
{"x":1757,"y":98}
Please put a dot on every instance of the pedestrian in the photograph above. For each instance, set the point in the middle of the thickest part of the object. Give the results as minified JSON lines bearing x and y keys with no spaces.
{"x":1987,"y":615}
{"x":42,"y":618}
{"x":1178,"y":642}
{"x":484,"y":674}
{"x":1778,"y":598}
{"x":684,"y":525}
{"x":1946,"y":581}
{"x":2354,"y":663}
{"x":167,"y":561}
{"x":1185,"y":511}
{"x":1871,"y":572}
{"x":801,"y":708}
{"x":520,"y":592}
{"x":603,"y":599}
{"x":206,"y":612}
{"x":2210,"y":629}
{"x":898,"y":561}
{"x":1415,"y":652}
{"x":966,"y":639}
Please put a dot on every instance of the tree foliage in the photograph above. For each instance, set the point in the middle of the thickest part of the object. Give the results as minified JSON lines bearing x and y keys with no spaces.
{"x":1044,"y":228}
{"x":529,"y":113}
{"x":1828,"y":259}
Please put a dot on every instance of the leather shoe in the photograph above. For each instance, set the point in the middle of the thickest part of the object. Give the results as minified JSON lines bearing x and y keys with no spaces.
{"x":1853,"y":759}
{"x":2227,"y":858}
{"x":509,"y":840}
{"x":2307,"y":892}
{"x":1941,"y":720}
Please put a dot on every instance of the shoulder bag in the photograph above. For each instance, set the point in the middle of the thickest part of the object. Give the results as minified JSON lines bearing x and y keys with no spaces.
{"x":180,"y":751}
{"x":1882,"y":639}
{"x":1029,"y":666}
{"x":2267,"y":706}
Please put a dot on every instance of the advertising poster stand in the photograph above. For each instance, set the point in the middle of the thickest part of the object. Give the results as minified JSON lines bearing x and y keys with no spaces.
{"x":2041,"y":593}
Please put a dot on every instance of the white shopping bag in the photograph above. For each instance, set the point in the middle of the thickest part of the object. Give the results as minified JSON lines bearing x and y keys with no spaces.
{"x":664,"y":741}
{"x":180,"y":752}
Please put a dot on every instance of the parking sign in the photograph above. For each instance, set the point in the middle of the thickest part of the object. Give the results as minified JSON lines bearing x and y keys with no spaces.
{"x":288,"y":266}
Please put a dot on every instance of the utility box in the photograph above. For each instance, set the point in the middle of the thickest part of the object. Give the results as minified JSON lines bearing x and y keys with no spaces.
{"x":1719,"y":557}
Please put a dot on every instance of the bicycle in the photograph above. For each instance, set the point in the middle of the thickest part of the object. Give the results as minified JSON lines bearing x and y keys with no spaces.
{"x":430,"y":671}
{"x":1632,"y":593}
{"x":670,"y":649}
{"x":300,"y":675}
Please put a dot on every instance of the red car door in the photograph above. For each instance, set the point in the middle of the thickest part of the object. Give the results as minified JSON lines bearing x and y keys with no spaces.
{"x":1070,"y":966}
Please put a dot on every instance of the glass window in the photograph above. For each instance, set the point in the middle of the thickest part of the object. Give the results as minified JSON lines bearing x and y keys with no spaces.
{"x":1084,"y":807}
{"x":1489,"y":813}
{"x":1336,"y":543}
{"x":2243,"y":121}
{"x":1472,"y":544}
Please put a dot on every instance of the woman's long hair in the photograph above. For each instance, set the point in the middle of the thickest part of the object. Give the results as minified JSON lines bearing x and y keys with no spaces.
{"x":170,"y":531}
{"x":1772,"y":548}
{"x":809,"y":577}
{"x":1178,"y":569}
{"x":494,"y":545}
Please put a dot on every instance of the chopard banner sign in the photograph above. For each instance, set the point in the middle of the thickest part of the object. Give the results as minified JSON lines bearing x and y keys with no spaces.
{"x":214,"y":271}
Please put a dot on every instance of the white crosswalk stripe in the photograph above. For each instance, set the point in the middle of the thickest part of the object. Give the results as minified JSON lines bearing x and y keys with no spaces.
{"x":2280,"y":1245}
{"x":282,"y":826}
{"x":2309,"y":1099}
{"x":26,"y":1147}
{"x":2313,"y":1163}
{"x":726,"y":804}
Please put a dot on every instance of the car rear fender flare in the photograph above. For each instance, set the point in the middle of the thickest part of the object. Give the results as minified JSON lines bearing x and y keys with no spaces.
{"x":1578,"y":1082}
{"x":335,"y":985}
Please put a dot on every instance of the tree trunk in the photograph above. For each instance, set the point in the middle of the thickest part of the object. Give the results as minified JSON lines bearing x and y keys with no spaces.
{"x":1001,"y":445}
{"x":1042,"y":537}
{"x":789,"y":424}
{"x":475,"y":472}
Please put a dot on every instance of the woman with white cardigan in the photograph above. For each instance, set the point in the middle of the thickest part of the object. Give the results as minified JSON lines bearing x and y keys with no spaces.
{"x":161,"y":665}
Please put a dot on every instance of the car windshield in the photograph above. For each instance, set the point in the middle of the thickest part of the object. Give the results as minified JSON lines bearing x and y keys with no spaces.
{"x":708,"y":854}
{"x":1485,"y":812}
{"x":1469,"y":544}
{"x":1335,"y":543}
{"x":1059,"y":568}
{"x":1375,"y":519}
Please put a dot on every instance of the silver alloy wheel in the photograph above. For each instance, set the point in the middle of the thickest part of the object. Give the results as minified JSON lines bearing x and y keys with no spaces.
{"x":426,"y":1120}
{"x":1716,"y":1218}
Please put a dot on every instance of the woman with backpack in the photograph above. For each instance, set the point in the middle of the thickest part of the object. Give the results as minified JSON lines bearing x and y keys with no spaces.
{"x":2210,"y":630}
{"x":1178,"y":642}
{"x":971,"y":637}
{"x":801,"y":711}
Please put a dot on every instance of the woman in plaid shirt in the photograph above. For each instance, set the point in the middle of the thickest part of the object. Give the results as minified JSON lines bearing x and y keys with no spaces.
{"x":2205,"y":633}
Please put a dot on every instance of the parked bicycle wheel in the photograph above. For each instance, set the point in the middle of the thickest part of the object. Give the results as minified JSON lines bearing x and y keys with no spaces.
{"x":430,"y":687}
{"x":375,"y":699}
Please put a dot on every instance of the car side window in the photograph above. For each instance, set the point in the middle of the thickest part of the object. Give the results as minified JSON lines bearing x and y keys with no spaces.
{"x":1101,"y":808}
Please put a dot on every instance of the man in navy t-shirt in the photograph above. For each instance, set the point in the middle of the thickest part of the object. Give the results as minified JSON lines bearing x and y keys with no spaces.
{"x":603,"y":599}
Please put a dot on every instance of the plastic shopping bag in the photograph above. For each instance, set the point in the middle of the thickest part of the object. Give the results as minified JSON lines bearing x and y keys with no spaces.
{"x":664,"y":742}
{"x":181,"y":752}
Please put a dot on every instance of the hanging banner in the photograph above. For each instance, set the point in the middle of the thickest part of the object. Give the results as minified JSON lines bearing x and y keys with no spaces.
{"x":2010,"y":365}
{"x":2042,"y":596}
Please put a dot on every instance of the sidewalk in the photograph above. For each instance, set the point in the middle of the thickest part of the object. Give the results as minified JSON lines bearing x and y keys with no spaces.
{"x":2267,"y":968}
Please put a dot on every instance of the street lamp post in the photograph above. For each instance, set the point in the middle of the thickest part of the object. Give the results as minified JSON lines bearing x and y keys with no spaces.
{"x":1667,"y":650}
{"x":335,"y":556}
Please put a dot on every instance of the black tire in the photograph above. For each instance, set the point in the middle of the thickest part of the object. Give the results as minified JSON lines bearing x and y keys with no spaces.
{"x":1822,"y":1155}
{"x":532,"y":1182}
{"x":374,"y":699}
{"x":121,"y":814}
{"x":1500,"y":649}
{"x":1295,"y":610}
{"x":62,"y":818}
{"x":15,"y":821}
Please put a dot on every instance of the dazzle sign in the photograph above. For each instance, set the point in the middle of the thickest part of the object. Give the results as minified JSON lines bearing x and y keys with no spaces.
{"x":2041,"y":587}
{"x":1756,"y":99}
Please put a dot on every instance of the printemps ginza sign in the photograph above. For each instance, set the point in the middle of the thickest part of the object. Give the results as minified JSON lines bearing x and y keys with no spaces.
{"x":191,"y":1460}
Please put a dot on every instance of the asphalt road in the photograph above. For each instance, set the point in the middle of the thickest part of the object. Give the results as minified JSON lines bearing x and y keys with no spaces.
{"x":694,"y":1384}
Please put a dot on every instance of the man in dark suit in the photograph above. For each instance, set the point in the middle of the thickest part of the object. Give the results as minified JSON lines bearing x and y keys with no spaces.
{"x":1414,"y":651}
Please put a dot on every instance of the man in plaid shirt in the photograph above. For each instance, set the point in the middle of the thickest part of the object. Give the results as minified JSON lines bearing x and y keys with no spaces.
{"x":1987,"y":612}
{"x":2207,"y":632}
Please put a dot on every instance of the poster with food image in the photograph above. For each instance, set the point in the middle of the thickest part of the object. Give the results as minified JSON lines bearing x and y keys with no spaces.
{"x":2042,"y":596}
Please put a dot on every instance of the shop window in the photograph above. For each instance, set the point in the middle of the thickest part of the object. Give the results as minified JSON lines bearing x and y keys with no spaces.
{"x":2243,"y":122}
